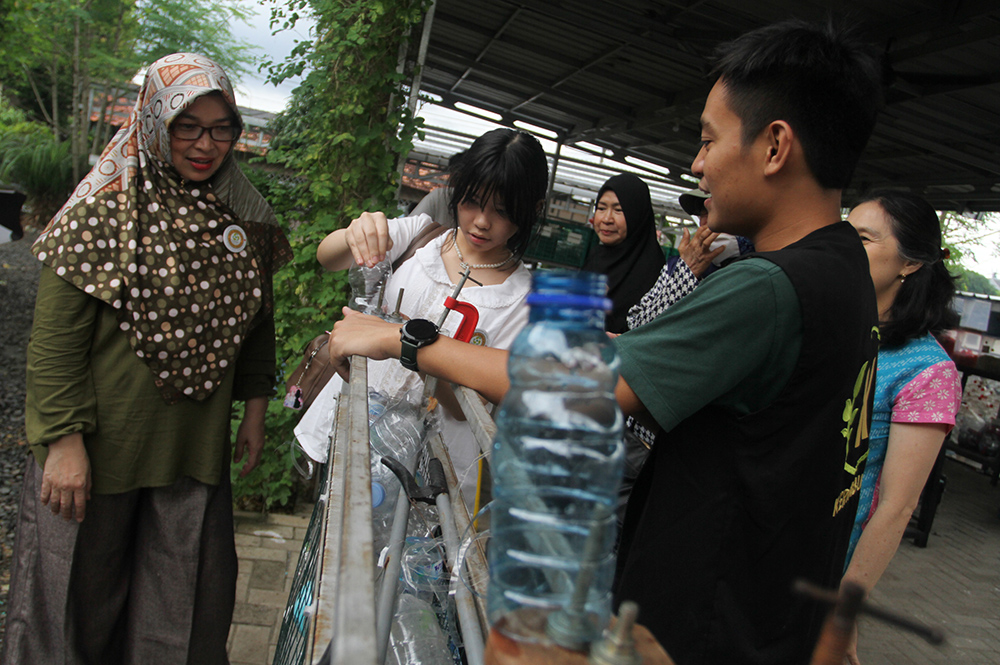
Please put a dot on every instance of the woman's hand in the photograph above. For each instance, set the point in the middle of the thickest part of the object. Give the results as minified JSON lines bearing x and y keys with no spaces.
{"x":851,"y":653}
{"x":910,"y":455}
{"x":695,"y":250}
{"x":359,"y":334}
{"x":250,"y":434}
{"x":368,"y":238}
{"x":66,"y":478}
{"x":364,"y":242}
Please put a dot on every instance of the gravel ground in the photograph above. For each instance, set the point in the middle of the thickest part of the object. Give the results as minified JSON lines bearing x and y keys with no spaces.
{"x":18,"y":284}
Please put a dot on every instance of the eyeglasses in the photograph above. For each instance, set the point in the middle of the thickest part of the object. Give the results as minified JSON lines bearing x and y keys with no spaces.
{"x":188,"y":131}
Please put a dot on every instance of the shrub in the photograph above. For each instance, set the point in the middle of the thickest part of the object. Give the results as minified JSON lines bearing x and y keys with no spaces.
{"x":42,"y":166}
{"x":341,"y":137}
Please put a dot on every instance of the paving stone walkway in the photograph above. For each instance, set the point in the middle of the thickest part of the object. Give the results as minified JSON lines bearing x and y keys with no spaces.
{"x":268,"y":550}
{"x":953,"y":583}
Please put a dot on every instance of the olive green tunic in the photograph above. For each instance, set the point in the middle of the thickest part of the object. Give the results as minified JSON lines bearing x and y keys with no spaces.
{"x":83,"y":376}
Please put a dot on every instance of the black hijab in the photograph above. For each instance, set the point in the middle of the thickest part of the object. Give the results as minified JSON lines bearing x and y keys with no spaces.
{"x":632,"y":265}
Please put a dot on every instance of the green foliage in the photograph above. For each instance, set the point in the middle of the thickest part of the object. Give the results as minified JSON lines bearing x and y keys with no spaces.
{"x":973,"y":282}
{"x":64,"y":47}
{"x":967,"y":235}
{"x":194,"y":26}
{"x":10,"y":117}
{"x":342,"y":135}
{"x":272,"y":484}
{"x":61,"y":46}
{"x":41,"y":166}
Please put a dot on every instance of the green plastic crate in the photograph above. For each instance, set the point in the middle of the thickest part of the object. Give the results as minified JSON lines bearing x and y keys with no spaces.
{"x":561,"y":243}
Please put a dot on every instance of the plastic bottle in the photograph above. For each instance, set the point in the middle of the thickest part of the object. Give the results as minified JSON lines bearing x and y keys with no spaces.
{"x":425,"y":576}
{"x":367,"y":285}
{"x":397,"y":433}
{"x":423,"y":569}
{"x":377,"y":403}
{"x":415,"y":637}
{"x":558,"y":460}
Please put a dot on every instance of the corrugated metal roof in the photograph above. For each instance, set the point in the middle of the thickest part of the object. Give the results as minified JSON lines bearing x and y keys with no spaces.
{"x":631,"y":76}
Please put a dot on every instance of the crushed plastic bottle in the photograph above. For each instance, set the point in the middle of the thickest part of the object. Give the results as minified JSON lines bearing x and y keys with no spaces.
{"x":415,"y":637}
{"x":367,"y":286}
{"x":423,"y":569}
{"x":557,"y":464}
{"x":397,"y":433}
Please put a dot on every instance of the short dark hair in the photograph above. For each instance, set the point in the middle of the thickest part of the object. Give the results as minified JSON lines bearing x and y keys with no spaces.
{"x":510,"y":165}
{"x":924,"y":301}
{"x":824,"y":82}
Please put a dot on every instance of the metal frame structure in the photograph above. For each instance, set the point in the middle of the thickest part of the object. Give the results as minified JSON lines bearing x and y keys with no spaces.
{"x":630,"y":77}
{"x":332,"y":606}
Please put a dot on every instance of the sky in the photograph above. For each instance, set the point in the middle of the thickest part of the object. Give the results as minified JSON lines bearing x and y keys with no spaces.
{"x":254,"y":92}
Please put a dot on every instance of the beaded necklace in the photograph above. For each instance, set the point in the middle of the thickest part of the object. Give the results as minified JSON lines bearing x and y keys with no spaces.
{"x":466,"y":266}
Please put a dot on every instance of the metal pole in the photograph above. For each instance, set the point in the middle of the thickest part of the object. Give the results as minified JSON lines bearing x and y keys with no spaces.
{"x":425,"y":39}
{"x":552,"y":177}
{"x":385,"y":607}
{"x":468,"y":619}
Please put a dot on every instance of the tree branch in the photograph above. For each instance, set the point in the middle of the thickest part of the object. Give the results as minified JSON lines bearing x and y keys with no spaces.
{"x":38,"y":96}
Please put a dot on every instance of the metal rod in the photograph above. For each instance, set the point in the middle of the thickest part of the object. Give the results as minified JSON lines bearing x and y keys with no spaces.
{"x":474,"y":561}
{"x":381,"y":296}
{"x":385,"y":606}
{"x":345,"y":614}
{"x":618,"y":645}
{"x":425,"y":38}
{"x":472,"y":635}
{"x":552,"y":177}
{"x":570,"y":627}
{"x":399,"y":302}
{"x":932,"y":634}
{"x":454,"y":294}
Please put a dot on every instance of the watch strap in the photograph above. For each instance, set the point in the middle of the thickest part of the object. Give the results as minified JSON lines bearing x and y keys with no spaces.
{"x":408,"y":355}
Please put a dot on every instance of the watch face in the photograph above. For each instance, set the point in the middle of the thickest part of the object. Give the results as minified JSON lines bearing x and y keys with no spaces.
{"x":420,"y":329}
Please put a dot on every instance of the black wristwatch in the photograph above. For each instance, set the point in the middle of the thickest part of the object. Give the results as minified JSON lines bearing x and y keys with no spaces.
{"x":414,"y":334}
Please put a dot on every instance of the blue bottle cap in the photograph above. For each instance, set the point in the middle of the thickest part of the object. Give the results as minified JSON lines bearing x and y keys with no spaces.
{"x":378,"y":495}
{"x":571,"y":300}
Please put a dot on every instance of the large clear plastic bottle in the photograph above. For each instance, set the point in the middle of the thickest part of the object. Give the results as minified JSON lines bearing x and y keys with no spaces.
{"x":367,"y":285}
{"x":557,"y":464}
{"x":397,"y":433}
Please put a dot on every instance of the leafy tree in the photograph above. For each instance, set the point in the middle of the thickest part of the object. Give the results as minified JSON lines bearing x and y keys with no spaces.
{"x":967,"y":280}
{"x":65,"y":46}
{"x":342,"y":134}
{"x":964,"y":236}
{"x":194,"y":26}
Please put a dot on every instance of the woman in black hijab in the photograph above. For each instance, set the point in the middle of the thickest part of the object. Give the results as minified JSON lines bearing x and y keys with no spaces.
{"x":627,"y":252}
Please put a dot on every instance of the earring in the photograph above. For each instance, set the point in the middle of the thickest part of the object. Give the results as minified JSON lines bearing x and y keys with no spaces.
{"x":902,"y":278}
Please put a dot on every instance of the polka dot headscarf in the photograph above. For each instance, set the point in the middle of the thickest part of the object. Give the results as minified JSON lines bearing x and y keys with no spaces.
{"x":186,"y":273}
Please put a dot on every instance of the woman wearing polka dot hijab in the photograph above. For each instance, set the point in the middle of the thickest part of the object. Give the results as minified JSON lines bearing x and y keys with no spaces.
{"x":153,"y":314}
